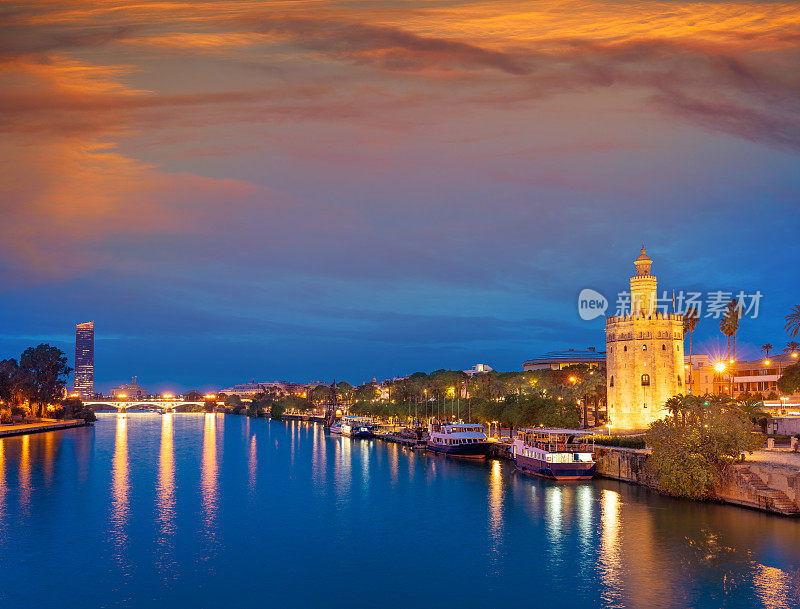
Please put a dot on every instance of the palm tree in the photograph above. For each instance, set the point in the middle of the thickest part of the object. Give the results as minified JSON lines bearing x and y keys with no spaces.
{"x":765,"y":349}
{"x":690,"y":319}
{"x":729,"y":325}
{"x":791,"y":347}
{"x":674,"y":405}
{"x":793,"y":322}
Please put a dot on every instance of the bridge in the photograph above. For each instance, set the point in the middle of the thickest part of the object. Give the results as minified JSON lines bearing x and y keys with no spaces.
{"x":121,"y":405}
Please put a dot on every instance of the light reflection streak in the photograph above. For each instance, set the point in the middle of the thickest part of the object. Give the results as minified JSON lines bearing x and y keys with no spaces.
{"x":496,"y":510}
{"x":584,"y":504}
{"x":776,"y":588}
{"x":208,"y":478}
{"x":2,"y":484}
{"x":319,"y":458}
{"x":166,"y":484}
{"x":25,"y":487}
{"x":252,"y":464}
{"x":553,"y":518}
{"x":365,"y":463}
{"x":120,"y":487}
{"x":342,"y":473}
{"x":49,"y":458}
{"x":610,"y":565}
{"x":393,"y":462}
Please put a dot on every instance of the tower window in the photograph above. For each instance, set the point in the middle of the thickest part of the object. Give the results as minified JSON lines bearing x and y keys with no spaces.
{"x":679,"y":381}
{"x":645,"y":380}
{"x":611,"y":381}
{"x":644,"y":347}
{"x":625,"y":348}
{"x":663,"y":347}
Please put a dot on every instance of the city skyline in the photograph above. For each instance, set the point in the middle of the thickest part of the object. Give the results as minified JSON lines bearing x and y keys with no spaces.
{"x":324,"y":190}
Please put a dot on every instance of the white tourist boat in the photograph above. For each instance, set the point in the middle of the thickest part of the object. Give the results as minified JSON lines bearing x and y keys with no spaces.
{"x":458,"y":439}
{"x":357,"y":427}
{"x":558,"y":454}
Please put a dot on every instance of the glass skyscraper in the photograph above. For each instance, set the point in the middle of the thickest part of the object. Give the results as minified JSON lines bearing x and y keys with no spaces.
{"x":84,"y":359}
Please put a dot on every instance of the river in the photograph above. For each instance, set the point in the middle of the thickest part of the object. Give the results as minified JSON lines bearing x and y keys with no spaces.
{"x":203,"y":510}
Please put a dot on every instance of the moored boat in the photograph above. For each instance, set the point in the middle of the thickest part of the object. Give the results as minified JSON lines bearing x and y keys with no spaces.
{"x":357,"y":427}
{"x":558,"y":454}
{"x":458,"y":440}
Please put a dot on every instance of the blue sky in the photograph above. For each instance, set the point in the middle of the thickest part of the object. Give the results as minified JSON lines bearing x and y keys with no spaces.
{"x":362,"y":190}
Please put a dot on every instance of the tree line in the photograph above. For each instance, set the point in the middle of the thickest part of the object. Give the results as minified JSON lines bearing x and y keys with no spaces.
{"x":512,"y":399}
{"x":34,"y":385}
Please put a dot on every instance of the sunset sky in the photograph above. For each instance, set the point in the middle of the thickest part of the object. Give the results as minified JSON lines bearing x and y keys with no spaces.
{"x":307,"y":189}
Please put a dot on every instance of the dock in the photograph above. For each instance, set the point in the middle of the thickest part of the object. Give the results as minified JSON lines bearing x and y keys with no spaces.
{"x":39,"y":427}
{"x":397,"y":439}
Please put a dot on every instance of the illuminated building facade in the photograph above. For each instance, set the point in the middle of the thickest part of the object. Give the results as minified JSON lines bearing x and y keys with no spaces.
{"x":131,"y":391}
{"x":644,"y":355}
{"x":84,"y":359}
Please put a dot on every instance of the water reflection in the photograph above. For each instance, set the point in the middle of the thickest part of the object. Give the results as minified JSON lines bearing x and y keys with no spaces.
{"x":601,"y":544}
{"x":609,"y":563}
{"x":252,"y":463}
{"x":120,"y":487}
{"x":496,"y":492}
{"x":208,"y":478}
{"x":2,"y":484}
{"x":342,"y":471}
{"x":49,"y":457}
{"x":776,"y":588}
{"x":319,"y":459}
{"x":165,"y":495}
{"x":365,"y":447}
{"x":394,"y":451}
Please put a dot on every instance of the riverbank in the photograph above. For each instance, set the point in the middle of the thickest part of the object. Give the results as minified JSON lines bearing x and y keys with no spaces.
{"x":20,"y":429}
{"x":768,"y":481}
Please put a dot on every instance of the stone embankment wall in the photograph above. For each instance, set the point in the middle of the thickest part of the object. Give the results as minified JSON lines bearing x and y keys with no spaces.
{"x":780,"y":477}
{"x":756,"y":484}
{"x":626,"y":464}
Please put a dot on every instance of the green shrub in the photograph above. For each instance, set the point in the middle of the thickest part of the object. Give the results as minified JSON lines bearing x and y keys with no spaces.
{"x":621,"y":441}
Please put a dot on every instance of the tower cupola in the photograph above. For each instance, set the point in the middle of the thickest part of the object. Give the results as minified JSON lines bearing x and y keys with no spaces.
{"x":643,"y":263}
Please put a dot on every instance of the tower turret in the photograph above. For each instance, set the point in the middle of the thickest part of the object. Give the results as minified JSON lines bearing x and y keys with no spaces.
{"x":643,"y":286}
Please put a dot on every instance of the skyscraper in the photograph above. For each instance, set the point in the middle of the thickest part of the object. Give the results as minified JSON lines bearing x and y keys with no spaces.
{"x":84,"y":359}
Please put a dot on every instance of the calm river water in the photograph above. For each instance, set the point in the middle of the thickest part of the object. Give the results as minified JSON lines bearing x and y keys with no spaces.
{"x":195,"y":510}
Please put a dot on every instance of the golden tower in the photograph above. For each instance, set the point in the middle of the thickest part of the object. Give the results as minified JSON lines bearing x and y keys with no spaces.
{"x":644,"y":355}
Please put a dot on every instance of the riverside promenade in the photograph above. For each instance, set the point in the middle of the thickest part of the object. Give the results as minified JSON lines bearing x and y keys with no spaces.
{"x":39,"y":427}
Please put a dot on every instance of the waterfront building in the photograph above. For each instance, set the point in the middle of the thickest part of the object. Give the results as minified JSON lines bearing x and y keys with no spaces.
{"x":644,"y":355}
{"x":282,"y":388}
{"x":558,"y":360}
{"x":130,"y":391}
{"x":84,"y":359}
{"x":478,"y":369}
{"x":760,"y":375}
